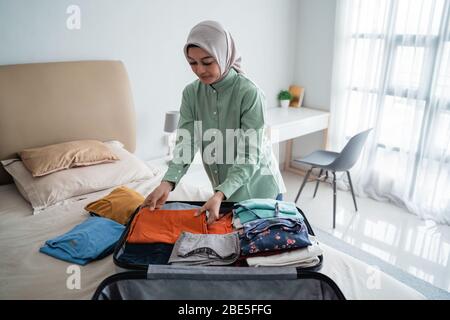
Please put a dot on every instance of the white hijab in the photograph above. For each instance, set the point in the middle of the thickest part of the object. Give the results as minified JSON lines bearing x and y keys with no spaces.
{"x":218,"y":42}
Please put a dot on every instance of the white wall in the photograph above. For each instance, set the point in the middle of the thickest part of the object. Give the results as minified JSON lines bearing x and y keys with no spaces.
{"x":149,"y":36}
{"x":313,"y":62}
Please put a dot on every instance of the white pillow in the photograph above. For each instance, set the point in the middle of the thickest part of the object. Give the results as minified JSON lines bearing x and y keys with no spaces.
{"x":48,"y":190}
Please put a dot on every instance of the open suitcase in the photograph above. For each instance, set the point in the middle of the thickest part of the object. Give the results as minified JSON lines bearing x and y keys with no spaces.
{"x":151,"y":278}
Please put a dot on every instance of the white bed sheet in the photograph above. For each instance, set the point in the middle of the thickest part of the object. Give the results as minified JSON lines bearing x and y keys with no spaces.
{"x":25,"y":273}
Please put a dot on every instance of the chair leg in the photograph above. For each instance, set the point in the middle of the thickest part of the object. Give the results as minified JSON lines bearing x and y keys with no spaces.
{"x":351,"y":189}
{"x":317,"y":183}
{"x":303,"y":184}
{"x":334,"y":199}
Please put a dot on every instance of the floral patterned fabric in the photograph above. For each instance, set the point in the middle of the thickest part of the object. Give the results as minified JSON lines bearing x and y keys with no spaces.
{"x":276,"y":234}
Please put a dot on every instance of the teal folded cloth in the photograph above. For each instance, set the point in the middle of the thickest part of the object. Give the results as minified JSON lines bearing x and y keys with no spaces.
{"x":252,"y":209}
{"x":93,"y":239}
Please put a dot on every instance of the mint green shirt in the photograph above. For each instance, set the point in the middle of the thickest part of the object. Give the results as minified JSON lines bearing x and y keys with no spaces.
{"x":234,"y":102}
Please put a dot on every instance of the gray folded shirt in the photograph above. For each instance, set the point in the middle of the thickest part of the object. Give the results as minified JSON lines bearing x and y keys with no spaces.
{"x":205,"y":249}
{"x":179,"y":206}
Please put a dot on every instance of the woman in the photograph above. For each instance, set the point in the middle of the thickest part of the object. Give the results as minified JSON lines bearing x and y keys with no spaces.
{"x":221,"y":101}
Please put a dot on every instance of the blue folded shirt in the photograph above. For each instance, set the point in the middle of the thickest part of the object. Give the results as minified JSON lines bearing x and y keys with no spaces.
{"x":93,"y":239}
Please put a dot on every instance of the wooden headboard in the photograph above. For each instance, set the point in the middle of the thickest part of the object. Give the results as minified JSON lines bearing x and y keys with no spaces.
{"x":46,"y":103}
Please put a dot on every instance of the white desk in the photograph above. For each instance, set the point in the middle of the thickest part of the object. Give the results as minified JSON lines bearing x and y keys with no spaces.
{"x":285,"y":124}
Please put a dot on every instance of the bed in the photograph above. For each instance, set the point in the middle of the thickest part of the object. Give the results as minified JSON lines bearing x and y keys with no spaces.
{"x":66,"y":101}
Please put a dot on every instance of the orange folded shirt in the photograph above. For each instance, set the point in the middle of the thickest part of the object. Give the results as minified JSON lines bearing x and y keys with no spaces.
{"x":119,"y":205}
{"x":165,"y":226}
{"x":222,"y":226}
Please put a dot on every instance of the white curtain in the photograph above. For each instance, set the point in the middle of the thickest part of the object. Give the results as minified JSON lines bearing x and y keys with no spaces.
{"x":391,"y":72}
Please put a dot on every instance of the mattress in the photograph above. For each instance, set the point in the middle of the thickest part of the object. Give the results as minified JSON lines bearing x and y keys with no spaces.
{"x":25,"y":273}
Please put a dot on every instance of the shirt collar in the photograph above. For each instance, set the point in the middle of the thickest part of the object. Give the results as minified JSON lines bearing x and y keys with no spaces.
{"x":225,"y":82}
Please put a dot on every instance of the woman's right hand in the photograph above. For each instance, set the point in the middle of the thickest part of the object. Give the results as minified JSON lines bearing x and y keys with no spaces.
{"x":157,"y":198}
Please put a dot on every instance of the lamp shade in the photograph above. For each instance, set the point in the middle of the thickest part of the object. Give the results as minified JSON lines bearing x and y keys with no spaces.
{"x":171,"y":121}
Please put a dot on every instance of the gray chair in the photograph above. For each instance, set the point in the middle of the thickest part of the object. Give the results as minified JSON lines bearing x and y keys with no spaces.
{"x":334,"y":162}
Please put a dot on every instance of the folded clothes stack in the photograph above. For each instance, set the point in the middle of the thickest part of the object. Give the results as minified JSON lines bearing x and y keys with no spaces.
{"x":153,"y":234}
{"x":252,"y":209}
{"x":154,"y":252}
{"x":303,"y":258}
{"x":258,"y":232}
{"x":205,"y":249}
{"x":273,"y":233}
{"x":96,"y":237}
{"x":165,"y":226}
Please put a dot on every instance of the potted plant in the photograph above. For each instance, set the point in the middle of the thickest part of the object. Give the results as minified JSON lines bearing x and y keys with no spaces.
{"x":285,"y":97}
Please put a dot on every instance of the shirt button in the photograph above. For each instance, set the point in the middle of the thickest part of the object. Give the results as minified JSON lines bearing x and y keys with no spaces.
{"x":176,"y":177}
{"x":215,"y":171}
{"x":179,"y":171}
{"x":214,"y":112}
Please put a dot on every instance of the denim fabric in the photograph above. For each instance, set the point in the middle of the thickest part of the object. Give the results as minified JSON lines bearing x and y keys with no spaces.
{"x":93,"y":239}
{"x":273,"y":235}
{"x":146,"y":253}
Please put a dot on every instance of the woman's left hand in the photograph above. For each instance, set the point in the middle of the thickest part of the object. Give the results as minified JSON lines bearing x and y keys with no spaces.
{"x":212,"y":206}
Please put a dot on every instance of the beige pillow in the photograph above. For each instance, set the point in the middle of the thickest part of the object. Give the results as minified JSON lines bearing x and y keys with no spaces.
{"x":52,"y":189}
{"x":56,"y":157}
